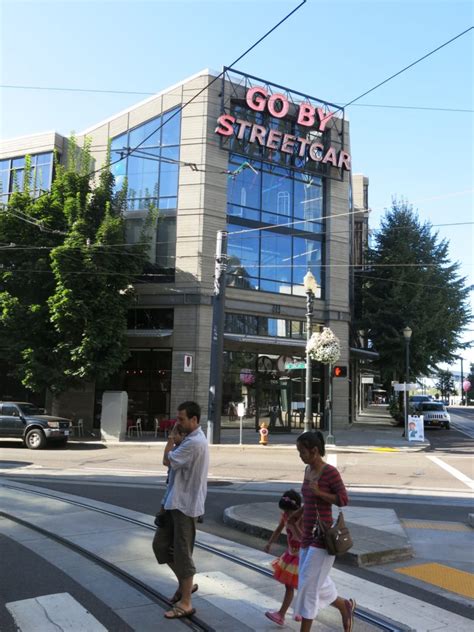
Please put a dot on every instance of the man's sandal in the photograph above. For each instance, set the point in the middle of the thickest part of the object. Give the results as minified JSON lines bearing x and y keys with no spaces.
{"x":178,"y":613}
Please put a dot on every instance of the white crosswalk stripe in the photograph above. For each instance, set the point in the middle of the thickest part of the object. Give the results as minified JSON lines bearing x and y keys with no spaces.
{"x":50,"y":613}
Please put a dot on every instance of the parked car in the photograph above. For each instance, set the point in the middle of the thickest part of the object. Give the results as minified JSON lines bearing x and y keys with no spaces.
{"x":26,"y":421}
{"x":434,"y":414}
{"x":414,"y":400}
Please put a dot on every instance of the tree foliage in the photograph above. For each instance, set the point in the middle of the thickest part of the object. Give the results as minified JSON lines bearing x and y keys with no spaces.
{"x":445,"y":384}
{"x":411,"y":282}
{"x":65,"y":276}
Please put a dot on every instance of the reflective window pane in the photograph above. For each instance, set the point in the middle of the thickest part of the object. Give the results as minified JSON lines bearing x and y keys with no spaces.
{"x":171,"y":130}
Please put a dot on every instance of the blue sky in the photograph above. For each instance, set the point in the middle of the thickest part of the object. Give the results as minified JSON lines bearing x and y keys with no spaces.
{"x":331,"y":50}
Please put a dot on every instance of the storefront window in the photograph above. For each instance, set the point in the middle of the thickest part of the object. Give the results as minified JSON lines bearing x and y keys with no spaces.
{"x":268,"y":391}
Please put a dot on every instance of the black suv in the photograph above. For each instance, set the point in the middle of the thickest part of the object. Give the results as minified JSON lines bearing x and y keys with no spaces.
{"x":28,"y":422}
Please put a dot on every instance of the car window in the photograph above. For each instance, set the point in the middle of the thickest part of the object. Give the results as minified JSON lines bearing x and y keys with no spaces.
{"x":8,"y":409}
{"x":30,"y":409}
{"x":433,"y":407}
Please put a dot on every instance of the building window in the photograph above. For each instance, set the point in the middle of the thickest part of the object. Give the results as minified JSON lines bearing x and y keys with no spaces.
{"x":12,"y":174}
{"x":247,"y":324}
{"x":152,"y":174}
{"x":152,"y":170}
{"x":150,"y":318}
{"x":285,"y":209}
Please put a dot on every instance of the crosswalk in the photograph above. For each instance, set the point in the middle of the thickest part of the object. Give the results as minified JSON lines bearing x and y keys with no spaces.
{"x":230,"y":597}
{"x":50,"y":613}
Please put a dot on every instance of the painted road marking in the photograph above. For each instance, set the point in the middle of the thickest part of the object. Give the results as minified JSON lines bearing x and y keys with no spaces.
{"x":435,"y":525}
{"x":464,"y":429}
{"x":453,"y":471}
{"x":332,"y":459}
{"x":451,"y":579}
{"x":50,"y":613}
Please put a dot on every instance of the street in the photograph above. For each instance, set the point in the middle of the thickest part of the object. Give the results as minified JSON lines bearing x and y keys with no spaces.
{"x":431,"y":493}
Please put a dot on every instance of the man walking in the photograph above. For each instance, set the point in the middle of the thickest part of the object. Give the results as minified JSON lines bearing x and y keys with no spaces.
{"x":187,"y":488}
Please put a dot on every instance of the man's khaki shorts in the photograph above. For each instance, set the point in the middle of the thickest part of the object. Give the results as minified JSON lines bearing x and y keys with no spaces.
{"x":173,"y":543}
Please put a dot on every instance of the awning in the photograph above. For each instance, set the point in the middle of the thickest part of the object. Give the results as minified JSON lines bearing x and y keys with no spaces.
{"x":363,"y":354}
{"x":266,"y":340}
{"x":149,"y":333}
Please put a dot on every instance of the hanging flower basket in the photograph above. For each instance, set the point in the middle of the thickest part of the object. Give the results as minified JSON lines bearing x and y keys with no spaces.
{"x":324,"y":347}
{"x":247,"y":377}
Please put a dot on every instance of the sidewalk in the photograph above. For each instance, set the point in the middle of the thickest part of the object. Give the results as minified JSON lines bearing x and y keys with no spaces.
{"x":372,"y":431}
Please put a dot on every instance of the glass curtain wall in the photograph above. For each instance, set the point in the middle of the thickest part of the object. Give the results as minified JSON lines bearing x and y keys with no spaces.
{"x":12,"y":174}
{"x":151,"y":173}
{"x":275,"y":224}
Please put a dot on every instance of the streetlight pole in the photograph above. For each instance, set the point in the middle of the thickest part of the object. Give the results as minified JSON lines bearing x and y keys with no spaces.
{"x":310,"y":287}
{"x":407,"y":335}
{"x":217,"y":341}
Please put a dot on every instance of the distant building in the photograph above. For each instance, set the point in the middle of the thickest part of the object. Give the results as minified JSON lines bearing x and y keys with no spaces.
{"x":270,"y":166}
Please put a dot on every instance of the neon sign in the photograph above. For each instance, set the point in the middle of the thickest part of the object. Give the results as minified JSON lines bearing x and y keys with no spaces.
{"x":258,"y":99}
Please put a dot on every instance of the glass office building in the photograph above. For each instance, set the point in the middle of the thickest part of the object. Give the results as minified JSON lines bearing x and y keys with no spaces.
{"x":272,"y":167}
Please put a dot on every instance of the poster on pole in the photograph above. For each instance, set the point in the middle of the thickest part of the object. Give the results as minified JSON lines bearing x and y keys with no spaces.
{"x":416,"y":428}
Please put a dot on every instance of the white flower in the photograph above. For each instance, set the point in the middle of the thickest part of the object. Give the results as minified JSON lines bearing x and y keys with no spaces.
{"x":324,"y":347}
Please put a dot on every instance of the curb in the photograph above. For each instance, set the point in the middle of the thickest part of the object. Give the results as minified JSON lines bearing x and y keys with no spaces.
{"x":245,"y":447}
{"x":355,"y":557}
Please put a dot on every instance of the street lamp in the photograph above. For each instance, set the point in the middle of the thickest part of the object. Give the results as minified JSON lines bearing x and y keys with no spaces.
{"x":310,"y":287}
{"x":407,"y":335}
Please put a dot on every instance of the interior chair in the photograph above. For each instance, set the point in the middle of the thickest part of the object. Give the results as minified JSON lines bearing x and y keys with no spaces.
{"x":137,"y":428}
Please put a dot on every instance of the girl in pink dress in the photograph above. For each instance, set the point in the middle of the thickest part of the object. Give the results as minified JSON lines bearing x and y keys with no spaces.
{"x":285,"y":567}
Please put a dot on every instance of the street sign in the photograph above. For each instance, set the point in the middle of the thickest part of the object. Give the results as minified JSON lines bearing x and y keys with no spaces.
{"x":295,"y":365}
{"x":401,"y":387}
{"x":367,"y":380}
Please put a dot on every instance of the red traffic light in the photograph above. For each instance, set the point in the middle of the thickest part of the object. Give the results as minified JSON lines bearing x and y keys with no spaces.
{"x":339,"y":371}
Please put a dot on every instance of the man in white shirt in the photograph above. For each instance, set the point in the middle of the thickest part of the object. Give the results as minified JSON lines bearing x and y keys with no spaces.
{"x":173,"y":543}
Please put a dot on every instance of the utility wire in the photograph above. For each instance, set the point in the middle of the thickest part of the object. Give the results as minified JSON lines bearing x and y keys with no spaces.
{"x":140,"y":93}
{"x":408,"y":67}
{"x":206,"y":87}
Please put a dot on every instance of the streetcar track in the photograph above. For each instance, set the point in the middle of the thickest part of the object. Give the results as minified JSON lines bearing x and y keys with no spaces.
{"x":194,"y":623}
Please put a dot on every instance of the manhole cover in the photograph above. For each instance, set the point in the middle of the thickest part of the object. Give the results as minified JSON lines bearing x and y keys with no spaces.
{"x":8,"y":465}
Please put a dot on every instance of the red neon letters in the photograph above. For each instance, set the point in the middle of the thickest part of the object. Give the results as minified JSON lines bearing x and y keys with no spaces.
{"x":278,"y":105}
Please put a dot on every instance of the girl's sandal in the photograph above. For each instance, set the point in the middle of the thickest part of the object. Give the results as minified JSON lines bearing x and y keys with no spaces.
{"x":275,"y":617}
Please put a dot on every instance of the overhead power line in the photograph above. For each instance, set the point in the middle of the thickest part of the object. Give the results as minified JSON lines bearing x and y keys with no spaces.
{"x":150,"y":94}
{"x":417,"y":61}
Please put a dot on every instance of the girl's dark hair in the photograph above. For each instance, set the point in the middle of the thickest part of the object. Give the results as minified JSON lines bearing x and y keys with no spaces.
{"x":290,"y":501}
{"x":312,"y":440}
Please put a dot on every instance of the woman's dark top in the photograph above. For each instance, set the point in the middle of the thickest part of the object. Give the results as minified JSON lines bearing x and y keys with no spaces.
{"x":329,"y":481}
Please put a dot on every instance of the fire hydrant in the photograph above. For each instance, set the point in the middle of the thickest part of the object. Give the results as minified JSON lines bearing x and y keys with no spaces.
{"x":263,"y":433}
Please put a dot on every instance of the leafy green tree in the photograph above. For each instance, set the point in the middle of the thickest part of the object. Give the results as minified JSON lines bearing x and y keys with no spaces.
{"x":445,"y":384}
{"x":411,"y":282}
{"x":65,"y":282}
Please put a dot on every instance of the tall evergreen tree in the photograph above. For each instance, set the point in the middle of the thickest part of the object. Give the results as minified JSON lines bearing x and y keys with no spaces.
{"x":411,"y":282}
{"x":64,"y":283}
{"x":445,"y":384}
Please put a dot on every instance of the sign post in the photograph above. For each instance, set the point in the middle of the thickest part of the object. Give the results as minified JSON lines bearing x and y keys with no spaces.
{"x":241,"y":413}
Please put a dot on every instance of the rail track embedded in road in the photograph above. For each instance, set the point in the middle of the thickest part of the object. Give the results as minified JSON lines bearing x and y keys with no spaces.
{"x":192,"y":623}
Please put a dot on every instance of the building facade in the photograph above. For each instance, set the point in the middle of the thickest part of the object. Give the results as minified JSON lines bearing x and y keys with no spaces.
{"x":272,"y":168}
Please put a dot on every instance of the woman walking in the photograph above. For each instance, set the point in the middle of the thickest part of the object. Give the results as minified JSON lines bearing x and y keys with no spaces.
{"x":322,"y":487}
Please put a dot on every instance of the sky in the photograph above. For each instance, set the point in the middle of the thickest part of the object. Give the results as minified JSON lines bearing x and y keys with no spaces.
{"x":335,"y":51}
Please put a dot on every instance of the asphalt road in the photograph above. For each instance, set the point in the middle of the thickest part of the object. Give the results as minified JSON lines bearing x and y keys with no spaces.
{"x":413,"y":484}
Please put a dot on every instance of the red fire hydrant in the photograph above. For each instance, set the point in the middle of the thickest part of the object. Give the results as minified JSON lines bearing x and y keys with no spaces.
{"x":263,"y":433}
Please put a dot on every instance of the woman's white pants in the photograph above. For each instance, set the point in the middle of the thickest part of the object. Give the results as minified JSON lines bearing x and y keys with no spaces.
{"x":316,"y":590}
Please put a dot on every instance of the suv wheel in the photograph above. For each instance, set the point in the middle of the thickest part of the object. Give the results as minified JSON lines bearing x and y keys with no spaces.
{"x":35,"y":439}
{"x":447,"y":426}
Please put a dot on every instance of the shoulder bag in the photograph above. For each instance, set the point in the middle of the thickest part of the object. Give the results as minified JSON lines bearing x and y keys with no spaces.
{"x":337,"y":539}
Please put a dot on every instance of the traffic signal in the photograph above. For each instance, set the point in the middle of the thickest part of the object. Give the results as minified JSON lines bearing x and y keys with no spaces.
{"x":339,"y":371}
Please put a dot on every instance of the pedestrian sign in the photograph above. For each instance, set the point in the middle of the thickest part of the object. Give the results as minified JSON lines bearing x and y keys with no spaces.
{"x":295,"y":365}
